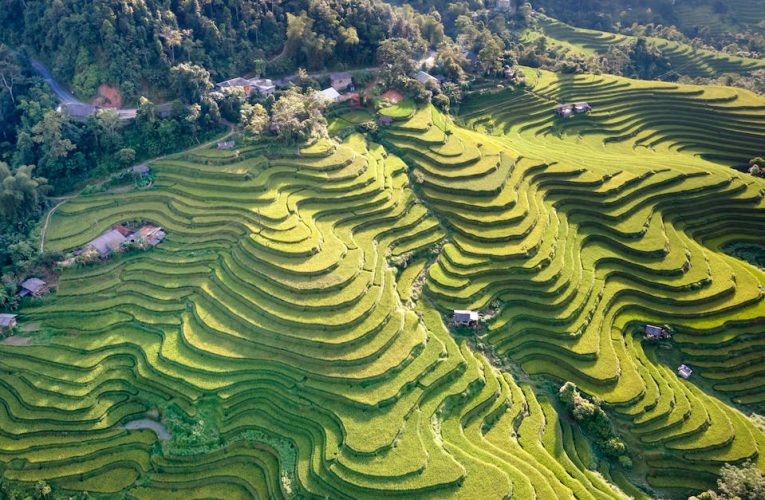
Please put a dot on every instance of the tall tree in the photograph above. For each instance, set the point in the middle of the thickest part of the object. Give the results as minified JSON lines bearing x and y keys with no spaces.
{"x":20,"y":192}
{"x":297,"y":117}
{"x":11,"y":75}
{"x":254,"y":119}
{"x":190,"y":82}
{"x":646,"y":61}
{"x":395,"y":58}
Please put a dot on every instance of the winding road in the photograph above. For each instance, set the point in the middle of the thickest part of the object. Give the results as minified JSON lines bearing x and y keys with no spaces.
{"x":67,"y":97}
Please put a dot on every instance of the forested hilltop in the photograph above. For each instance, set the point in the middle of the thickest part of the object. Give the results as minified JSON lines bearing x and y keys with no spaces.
{"x":133,"y":44}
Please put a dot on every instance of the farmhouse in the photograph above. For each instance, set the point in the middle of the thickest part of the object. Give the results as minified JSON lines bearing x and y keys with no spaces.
{"x":226,"y":145}
{"x":147,"y":236}
{"x":508,"y":72}
{"x":108,"y":242}
{"x":684,"y":371}
{"x":330,"y":94}
{"x":341,"y":80}
{"x":7,"y":321}
{"x":567,"y":110}
{"x":462,"y":317}
{"x":652,"y":332}
{"x":76,"y":110}
{"x":384,"y":120}
{"x":424,"y":78}
{"x":582,"y":107}
{"x":34,"y":287}
{"x":236,"y":82}
{"x":141,"y":170}
{"x":265,"y":87}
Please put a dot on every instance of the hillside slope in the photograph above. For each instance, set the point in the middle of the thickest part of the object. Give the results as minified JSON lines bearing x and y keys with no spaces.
{"x":286,"y":355}
{"x":684,"y":59}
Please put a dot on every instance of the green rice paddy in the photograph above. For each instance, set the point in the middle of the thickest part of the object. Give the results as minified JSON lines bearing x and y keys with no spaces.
{"x":304,"y":363}
{"x":683,"y":58}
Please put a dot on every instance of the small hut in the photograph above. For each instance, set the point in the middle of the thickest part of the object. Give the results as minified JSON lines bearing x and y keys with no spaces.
{"x":564,"y":110}
{"x":652,"y":332}
{"x":141,"y":170}
{"x":34,"y":287}
{"x":7,"y":321}
{"x":465,"y":318}
{"x":582,"y":107}
{"x":684,"y":371}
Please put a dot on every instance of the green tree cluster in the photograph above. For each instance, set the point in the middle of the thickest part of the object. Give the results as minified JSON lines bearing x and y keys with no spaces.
{"x":594,"y":421}
{"x":744,"y":482}
{"x":134,"y":45}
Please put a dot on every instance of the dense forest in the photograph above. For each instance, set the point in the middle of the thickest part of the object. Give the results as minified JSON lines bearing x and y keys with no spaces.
{"x":134,"y":44}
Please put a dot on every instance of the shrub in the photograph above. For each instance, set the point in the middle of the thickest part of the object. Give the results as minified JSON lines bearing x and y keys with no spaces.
{"x":591,"y":417}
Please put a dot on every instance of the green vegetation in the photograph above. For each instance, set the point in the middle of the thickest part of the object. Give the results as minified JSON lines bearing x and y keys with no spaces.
{"x":292,"y":335}
{"x":271,"y":319}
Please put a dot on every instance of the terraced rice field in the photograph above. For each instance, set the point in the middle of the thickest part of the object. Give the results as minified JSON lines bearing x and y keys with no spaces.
{"x":272,"y":318}
{"x":683,"y":58}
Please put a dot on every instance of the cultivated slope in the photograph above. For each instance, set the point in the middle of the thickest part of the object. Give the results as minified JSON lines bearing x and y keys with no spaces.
{"x":306,"y":363}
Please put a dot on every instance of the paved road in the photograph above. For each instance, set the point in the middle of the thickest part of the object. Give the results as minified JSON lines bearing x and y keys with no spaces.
{"x":66,"y":97}
{"x":57,"y":88}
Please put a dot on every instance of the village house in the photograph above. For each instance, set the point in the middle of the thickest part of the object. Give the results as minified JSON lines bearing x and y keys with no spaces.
{"x":582,"y":107}
{"x":509,"y":73}
{"x":108,"y":242}
{"x":424,"y":78}
{"x":330,"y":94}
{"x":34,"y":287}
{"x":465,"y":318}
{"x":141,"y":170}
{"x":147,"y":236}
{"x":652,"y":332}
{"x":236,"y":82}
{"x":76,"y":110}
{"x":342,"y":80}
{"x":7,"y":321}
{"x":504,"y":5}
{"x":384,"y":120}
{"x":264,"y":86}
{"x":564,"y":110}
{"x":684,"y":371}
{"x":567,"y":110}
{"x":226,"y":145}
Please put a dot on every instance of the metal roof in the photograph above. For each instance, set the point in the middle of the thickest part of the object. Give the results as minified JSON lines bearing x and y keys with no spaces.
{"x":461,"y":315}
{"x":7,"y":319}
{"x":34,"y":285}
{"x":655,"y":331}
{"x":108,"y":242}
{"x":330,"y":93}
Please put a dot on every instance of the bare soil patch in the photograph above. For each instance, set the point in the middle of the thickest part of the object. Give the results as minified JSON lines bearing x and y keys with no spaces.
{"x":17,"y":340}
{"x":108,"y":97}
{"x":393,"y":96}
